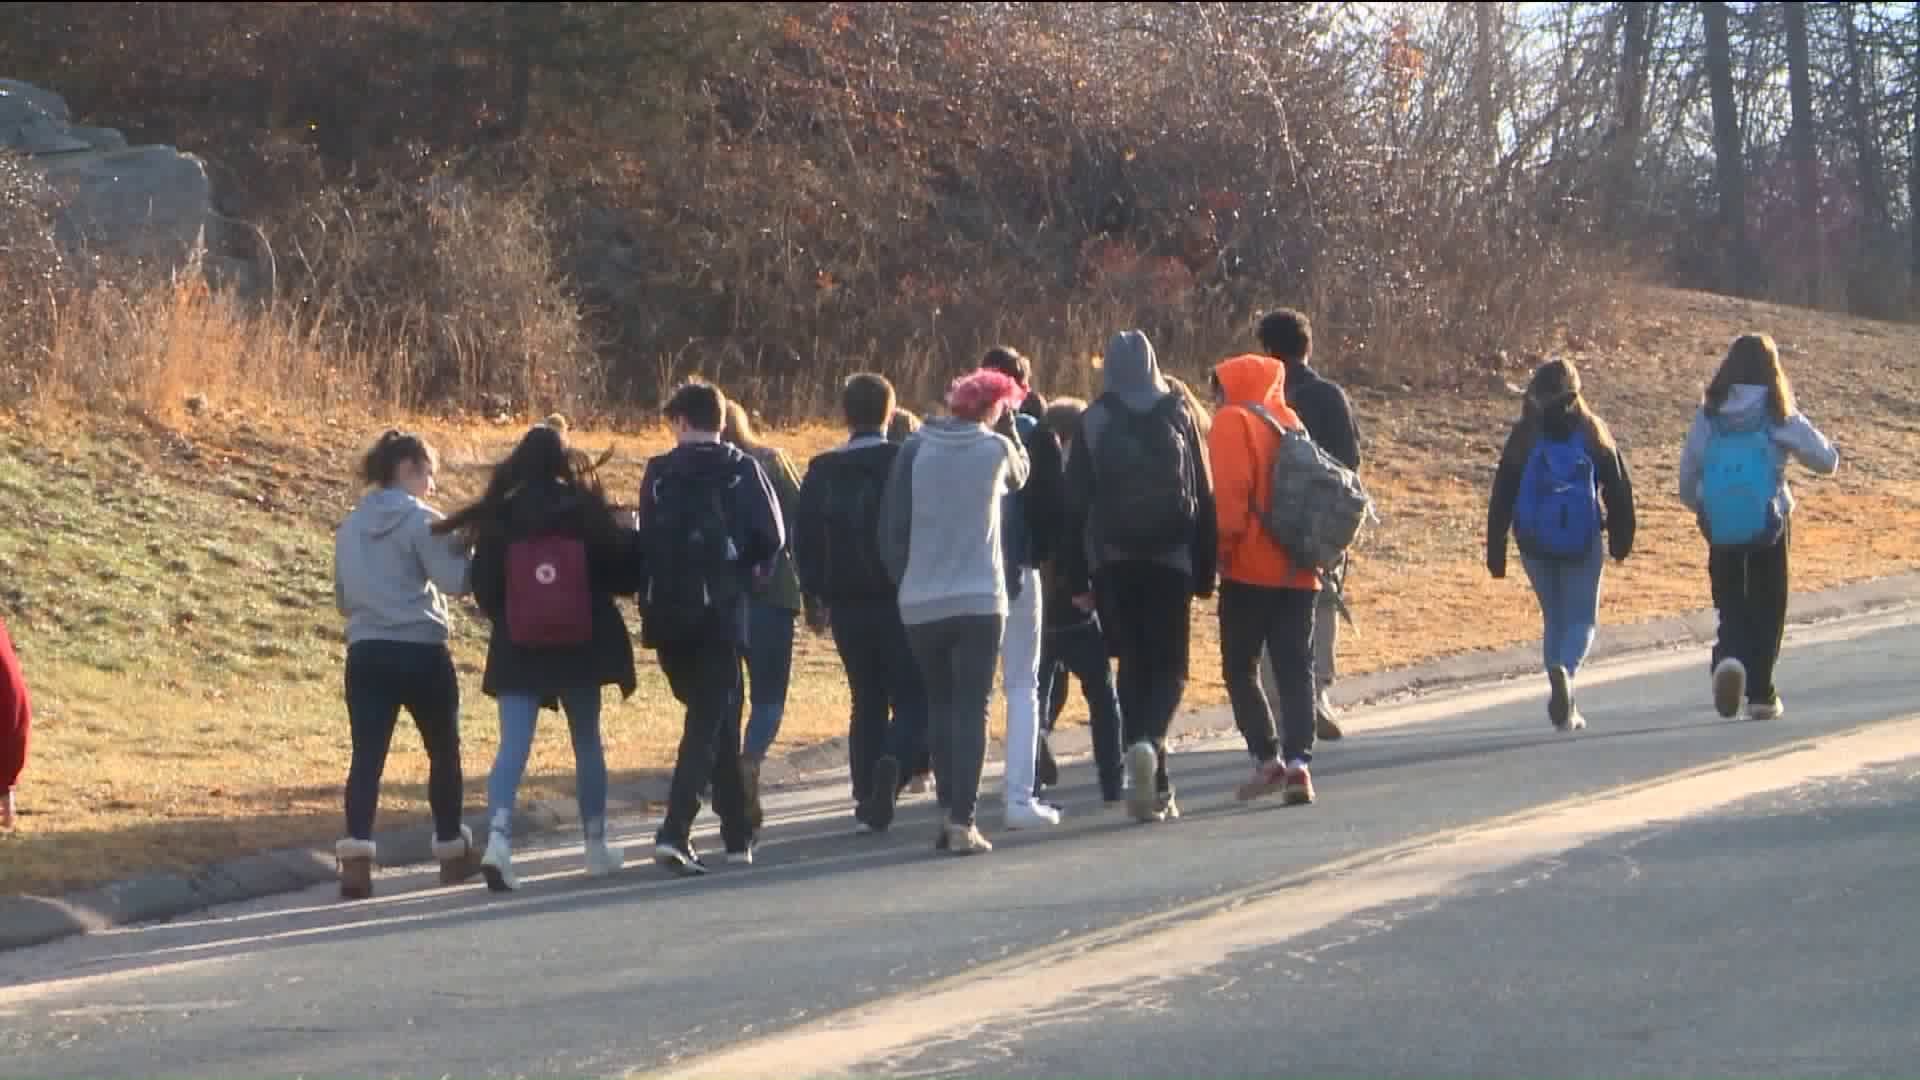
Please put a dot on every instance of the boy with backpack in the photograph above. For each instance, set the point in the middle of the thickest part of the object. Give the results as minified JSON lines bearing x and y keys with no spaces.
{"x":1138,"y":547}
{"x":1562,"y":481}
{"x":836,"y":548}
{"x":1325,"y":411}
{"x":709,"y":520}
{"x":1029,"y":522}
{"x":1267,"y":596}
{"x":1072,"y":645}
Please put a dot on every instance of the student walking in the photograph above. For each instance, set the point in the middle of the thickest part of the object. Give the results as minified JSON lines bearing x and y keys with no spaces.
{"x":1562,"y":482}
{"x":1733,"y":477}
{"x":836,"y":546}
{"x":548,"y":560}
{"x":1324,"y":409}
{"x":710,"y":526}
{"x":16,"y":724}
{"x":1072,"y":642}
{"x":1029,"y":522}
{"x":904,"y":425}
{"x":1138,"y":547}
{"x":774,"y":606}
{"x":940,"y":538}
{"x":391,"y":578}
{"x":1267,"y":602}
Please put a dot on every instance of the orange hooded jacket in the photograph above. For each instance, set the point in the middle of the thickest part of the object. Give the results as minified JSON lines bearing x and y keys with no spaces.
{"x":1241,"y":447}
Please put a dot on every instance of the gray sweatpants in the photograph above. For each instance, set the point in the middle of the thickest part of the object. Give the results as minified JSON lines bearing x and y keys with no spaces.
{"x":1326,"y":634}
{"x":958,"y":658}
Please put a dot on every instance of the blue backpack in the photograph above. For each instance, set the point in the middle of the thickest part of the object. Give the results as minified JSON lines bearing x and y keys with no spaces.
{"x":1738,"y":480}
{"x":1557,"y":513}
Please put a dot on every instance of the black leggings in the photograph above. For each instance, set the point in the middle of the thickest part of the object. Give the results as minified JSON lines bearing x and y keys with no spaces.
{"x":1751,"y":589}
{"x":384,"y":677}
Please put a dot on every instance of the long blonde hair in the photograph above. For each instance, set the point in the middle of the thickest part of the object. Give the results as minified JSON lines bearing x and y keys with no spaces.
{"x":737,"y":428}
{"x":1752,"y":360}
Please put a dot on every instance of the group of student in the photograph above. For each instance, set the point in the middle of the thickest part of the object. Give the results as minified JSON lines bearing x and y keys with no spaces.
{"x":1009,"y":537}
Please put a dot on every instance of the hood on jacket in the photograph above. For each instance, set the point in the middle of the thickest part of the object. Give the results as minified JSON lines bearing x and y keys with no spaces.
{"x":1746,"y":408}
{"x":1131,"y":371}
{"x":1252,"y":379}
{"x":953,"y":431}
{"x":382,"y":512}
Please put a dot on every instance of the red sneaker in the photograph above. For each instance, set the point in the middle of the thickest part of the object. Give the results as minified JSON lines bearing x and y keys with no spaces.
{"x":1267,"y":777}
{"x":1298,"y":789}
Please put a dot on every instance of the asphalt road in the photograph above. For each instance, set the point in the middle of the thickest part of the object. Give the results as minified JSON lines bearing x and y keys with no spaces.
{"x":1474,"y":894}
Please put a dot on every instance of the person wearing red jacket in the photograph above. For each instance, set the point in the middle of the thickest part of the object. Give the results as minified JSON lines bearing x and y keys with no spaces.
{"x":16,"y":717}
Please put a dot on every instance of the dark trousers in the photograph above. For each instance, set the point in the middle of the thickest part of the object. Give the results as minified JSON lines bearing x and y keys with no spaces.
{"x":706,"y":678}
{"x":384,"y":677}
{"x":1254,"y":618}
{"x":1080,"y":650}
{"x":1145,"y":610}
{"x":1750,"y":588}
{"x":889,"y":698}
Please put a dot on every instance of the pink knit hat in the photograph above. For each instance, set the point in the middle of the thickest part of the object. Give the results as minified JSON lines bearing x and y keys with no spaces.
{"x":973,"y":396}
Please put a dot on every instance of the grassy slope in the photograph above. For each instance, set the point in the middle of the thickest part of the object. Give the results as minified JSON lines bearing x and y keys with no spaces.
{"x":169,"y":587}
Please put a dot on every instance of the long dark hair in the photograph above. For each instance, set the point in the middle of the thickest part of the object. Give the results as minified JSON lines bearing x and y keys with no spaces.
{"x":542,"y":459}
{"x":1752,"y":360}
{"x":1555,"y":405}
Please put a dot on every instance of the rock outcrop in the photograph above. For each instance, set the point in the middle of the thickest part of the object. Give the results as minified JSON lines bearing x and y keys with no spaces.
{"x":148,"y":204}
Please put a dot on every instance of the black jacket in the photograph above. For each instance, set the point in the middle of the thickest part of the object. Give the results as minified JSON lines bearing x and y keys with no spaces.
{"x":870,"y":459}
{"x":1326,"y":413}
{"x":759,"y":532}
{"x":613,"y":565}
{"x":1609,"y":468}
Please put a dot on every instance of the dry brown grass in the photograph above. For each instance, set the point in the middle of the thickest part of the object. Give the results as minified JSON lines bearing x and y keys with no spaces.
{"x":167,"y":582}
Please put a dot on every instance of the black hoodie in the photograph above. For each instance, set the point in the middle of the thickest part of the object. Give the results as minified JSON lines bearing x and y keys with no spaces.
{"x":837,"y":569}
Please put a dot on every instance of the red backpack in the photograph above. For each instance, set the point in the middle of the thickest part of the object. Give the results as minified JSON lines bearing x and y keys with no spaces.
{"x":549,"y":595}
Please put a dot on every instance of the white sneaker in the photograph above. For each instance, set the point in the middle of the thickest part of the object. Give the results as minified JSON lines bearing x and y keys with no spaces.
{"x":1763,"y":710}
{"x":1030,"y":815}
{"x":602,"y":858}
{"x":497,"y":864}
{"x":1729,"y":686}
{"x":740,"y":858}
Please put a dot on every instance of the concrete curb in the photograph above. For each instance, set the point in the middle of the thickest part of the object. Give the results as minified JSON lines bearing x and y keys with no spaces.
{"x":35,"y":920}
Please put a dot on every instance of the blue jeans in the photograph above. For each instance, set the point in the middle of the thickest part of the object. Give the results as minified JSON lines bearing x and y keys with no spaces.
{"x":769,"y":667}
{"x":518,"y":715}
{"x":1569,"y":592}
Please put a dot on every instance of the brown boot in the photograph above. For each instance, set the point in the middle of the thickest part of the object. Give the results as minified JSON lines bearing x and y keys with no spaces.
{"x":356,"y":868}
{"x":459,"y":859}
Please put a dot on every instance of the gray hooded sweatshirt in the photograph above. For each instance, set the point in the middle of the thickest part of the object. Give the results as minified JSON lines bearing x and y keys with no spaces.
{"x":391,"y":575}
{"x":1130,"y":371}
{"x":940,"y":520}
{"x":1746,"y":410}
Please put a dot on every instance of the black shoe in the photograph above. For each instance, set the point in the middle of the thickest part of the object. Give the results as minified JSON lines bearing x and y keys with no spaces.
{"x":678,"y":856}
{"x":882,"y":795}
{"x":1560,"y":697}
{"x":1046,"y":771}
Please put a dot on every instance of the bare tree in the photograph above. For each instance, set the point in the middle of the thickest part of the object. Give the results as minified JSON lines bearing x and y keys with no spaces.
{"x":1800,"y":139}
{"x":1729,"y":149}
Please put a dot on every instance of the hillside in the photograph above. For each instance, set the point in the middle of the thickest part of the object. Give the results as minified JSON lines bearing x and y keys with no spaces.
{"x":168,"y":583}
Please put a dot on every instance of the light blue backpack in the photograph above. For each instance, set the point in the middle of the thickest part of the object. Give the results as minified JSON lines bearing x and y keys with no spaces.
{"x":1740,"y":476}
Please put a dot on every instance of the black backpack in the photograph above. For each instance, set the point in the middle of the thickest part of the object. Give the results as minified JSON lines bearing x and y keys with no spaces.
{"x":1144,"y":500}
{"x":694,"y":584}
{"x":850,"y":513}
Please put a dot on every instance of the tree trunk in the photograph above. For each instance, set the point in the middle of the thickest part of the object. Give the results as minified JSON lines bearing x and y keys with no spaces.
{"x":1800,"y":140}
{"x":1729,"y":150}
{"x":1630,"y":105}
{"x":1913,"y":161}
{"x":1866,"y":137}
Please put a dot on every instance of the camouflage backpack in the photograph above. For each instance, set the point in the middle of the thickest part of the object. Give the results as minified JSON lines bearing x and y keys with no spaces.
{"x":1316,"y":506}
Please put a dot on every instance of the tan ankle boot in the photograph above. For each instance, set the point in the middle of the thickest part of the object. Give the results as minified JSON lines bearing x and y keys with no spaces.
{"x":459,"y":859}
{"x":356,"y":868}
